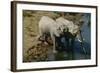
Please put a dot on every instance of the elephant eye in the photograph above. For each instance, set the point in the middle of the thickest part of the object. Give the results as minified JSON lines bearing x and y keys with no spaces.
{"x":59,"y":28}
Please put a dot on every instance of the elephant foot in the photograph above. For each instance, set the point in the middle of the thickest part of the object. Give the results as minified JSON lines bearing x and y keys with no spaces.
{"x":54,"y":51}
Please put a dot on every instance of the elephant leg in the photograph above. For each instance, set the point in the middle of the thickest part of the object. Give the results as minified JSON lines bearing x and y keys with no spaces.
{"x":72,"y":43}
{"x":54,"y":43}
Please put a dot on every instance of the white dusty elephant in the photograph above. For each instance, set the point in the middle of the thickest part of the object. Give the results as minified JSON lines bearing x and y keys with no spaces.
{"x":74,"y":30}
{"x":48,"y":25}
